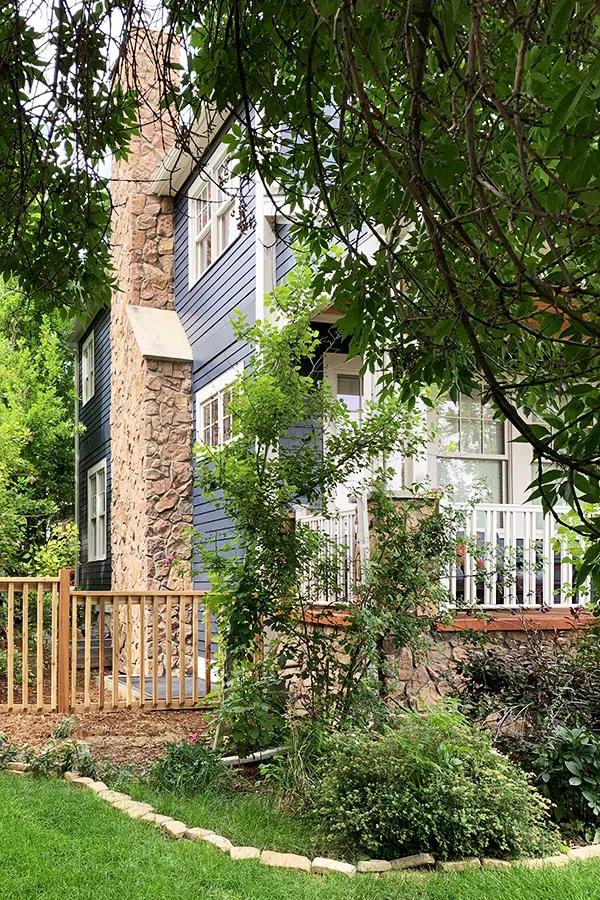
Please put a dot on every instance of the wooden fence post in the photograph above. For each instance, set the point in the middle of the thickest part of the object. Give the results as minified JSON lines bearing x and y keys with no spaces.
{"x":64,"y":604}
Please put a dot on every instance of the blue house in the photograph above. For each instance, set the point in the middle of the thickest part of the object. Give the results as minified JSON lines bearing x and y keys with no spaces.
{"x":191,"y":244}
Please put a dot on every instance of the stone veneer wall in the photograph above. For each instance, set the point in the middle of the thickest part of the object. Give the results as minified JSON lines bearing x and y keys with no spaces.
{"x":151,"y":413}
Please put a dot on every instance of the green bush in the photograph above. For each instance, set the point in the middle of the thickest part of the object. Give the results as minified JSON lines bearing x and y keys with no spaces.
{"x":189,"y":767}
{"x":58,"y":756}
{"x":432,"y":784}
{"x":8,"y":751}
{"x":253,"y":710}
{"x":569,"y":771}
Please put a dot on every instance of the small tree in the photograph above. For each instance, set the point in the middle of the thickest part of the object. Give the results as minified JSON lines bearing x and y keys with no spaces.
{"x":292,"y":444}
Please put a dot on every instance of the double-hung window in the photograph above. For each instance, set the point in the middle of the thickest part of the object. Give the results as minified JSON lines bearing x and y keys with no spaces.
{"x":96,"y":489}
{"x":88,"y":367}
{"x":212,"y":215}
{"x":472,"y":451}
{"x":214,"y":423}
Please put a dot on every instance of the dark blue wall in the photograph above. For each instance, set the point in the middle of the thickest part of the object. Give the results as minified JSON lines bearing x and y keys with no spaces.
{"x":94,"y":446}
{"x":205,"y":312}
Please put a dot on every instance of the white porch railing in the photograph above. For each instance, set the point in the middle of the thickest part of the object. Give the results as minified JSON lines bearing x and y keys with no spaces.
{"x":340,"y":555}
{"x":509,"y":555}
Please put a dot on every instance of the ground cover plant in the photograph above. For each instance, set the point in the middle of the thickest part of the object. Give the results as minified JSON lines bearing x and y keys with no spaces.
{"x":57,"y":841}
{"x":540,"y":701}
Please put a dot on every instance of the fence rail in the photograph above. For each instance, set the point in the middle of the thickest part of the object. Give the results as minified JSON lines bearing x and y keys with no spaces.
{"x":334,"y":575}
{"x":74,"y":651}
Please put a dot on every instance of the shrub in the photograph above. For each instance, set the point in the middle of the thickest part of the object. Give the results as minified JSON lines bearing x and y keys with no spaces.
{"x":187,"y":768}
{"x":253,"y":710}
{"x":540,"y":683}
{"x":8,"y":751}
{"x":434,"y":783}
{"x":569,"y":771}
{"x":58,"y":756}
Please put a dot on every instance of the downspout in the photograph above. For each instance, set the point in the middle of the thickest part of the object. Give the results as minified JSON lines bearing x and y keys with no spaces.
{"x":76,"y":416}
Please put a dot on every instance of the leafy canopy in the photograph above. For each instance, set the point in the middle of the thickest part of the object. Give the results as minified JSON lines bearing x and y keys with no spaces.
{"x":464,"y":139}
{"x":36,"y":440}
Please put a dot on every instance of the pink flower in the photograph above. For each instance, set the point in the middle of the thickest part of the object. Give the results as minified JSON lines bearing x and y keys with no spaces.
{"x":169,"y":559}
{"x":194,"y":737}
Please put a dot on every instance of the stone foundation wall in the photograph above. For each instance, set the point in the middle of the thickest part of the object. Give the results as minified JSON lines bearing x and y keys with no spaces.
{"x":426,"y":676}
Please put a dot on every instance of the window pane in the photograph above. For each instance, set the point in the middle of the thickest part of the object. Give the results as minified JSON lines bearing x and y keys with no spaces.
{"x":227,"y":421}
{"x":214,"y":419}
{"x":468,"y":476}
{"x":470,"y":436}
{"x":493,"y":436}
{"x":349,"y":391}
{"x":101,"y":538}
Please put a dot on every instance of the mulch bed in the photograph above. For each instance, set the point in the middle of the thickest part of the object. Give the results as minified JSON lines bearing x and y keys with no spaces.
{"x":126,"y":737}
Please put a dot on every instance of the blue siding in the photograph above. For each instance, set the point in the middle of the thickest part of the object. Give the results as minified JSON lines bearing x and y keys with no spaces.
{"x":205,"y":312}
{"x":285,"y":258}
{"x":94,"y":446}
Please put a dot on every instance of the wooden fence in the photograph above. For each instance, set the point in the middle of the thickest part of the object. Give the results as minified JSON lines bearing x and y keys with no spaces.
{"x":74,"y":651}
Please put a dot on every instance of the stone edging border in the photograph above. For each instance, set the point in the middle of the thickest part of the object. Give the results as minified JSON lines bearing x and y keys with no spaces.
{"x":319,"y":866}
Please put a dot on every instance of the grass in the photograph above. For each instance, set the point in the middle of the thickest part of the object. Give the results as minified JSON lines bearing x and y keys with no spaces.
{"x":59,"y":841}
{"x":243,"y":817}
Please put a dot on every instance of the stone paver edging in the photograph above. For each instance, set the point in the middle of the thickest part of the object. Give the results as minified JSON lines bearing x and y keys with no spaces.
{"x":319,"y":866}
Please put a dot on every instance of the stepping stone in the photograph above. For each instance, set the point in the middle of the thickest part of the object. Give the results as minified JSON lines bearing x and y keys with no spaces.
{"x":113,"y":796}
{"x":244,"y":853}
{"x":323,"y":866}
{"x":98,"y":787}
{"x":217,"y":840}
{"x":124,"y":805}
{"x":373,"y":865}
{"x":19,"y":767}
{"x":285,"y":860}
{"x":156,"y":818}
{"x":174,"y":828}
{"x":460,"y":865}
{"x":197,"y":834}
{"x":139,"y":810}
{"x":588,"y":852}
{"x":413,"y":862}
{"x":82,"y":782}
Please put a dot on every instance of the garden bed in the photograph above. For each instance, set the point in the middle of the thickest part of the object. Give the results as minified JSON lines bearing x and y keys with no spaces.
{"x":125,"y":737}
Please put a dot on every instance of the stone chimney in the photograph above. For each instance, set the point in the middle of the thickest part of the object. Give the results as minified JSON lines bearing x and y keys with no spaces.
{"x":151,"y":372}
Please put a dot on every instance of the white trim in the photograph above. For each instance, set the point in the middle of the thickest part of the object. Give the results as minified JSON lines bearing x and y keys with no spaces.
{"x":208,"y":178}
{"x":100,"y":516}
{"x":88,"y":368}
{"x":216,"y":388}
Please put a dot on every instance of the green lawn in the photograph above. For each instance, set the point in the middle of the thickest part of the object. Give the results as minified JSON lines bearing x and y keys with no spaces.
{"x":244,"y":818}
{"x":60,"y":842}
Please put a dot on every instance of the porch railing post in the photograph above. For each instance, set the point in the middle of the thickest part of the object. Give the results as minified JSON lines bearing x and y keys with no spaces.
{"x":64,"y":603}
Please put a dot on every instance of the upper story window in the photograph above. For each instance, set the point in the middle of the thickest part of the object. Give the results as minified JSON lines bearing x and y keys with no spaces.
{"x":96,"y":489}
{"x":472,"y":449}
{"x":214,"y":423}
{"x":88,"y":369}
{"x":212,"y":215}
{"x":350,"y":392}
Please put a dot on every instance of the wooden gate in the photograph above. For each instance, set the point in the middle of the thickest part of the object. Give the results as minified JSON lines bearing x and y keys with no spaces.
{"x":75,"y":651}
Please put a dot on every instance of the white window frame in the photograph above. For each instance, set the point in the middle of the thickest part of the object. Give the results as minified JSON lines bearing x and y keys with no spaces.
{"x":96,"y":515}
{"x":219,"y":208}
{"x":88,"y":369}
{"x":215,"y":390}
{"x":502,"y":458}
